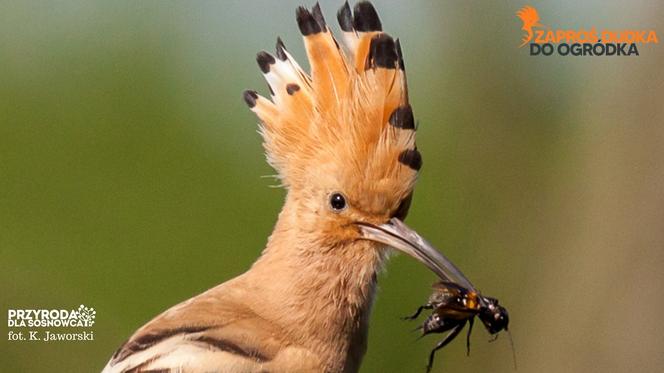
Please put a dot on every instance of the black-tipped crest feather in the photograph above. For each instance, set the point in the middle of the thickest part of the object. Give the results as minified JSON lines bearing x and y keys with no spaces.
{"x":250,"y":97}
{"x":411,"y":158}
{"x":345,"y":17}
{"x":382,"y":52}
{"x":306,"y":22}
{"x":281,"y":50}
{"x":402,"y":65}
{"x":402,"y":117}
{"x":365,"y":17}
{"x":318,"y":16}
{"x":264,"y":60}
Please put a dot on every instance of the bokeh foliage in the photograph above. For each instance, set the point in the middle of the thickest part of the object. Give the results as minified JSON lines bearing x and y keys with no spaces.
{"x":130,"y":174}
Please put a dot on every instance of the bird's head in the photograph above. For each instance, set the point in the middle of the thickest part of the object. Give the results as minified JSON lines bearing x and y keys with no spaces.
{"x":341,"y":137}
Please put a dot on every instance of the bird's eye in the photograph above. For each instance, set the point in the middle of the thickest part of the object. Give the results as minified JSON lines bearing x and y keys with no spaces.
{"x":337,"y":202}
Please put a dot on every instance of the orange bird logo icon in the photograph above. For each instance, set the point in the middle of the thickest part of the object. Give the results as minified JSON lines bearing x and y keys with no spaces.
{"x":530,"y":18}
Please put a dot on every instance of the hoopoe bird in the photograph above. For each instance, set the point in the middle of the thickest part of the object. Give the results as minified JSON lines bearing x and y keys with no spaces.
{"x":342,"y":140}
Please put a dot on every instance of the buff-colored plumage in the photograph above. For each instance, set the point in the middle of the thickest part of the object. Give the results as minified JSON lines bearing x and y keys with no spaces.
{"x":304,"y":305}
{"x":340,"y":114}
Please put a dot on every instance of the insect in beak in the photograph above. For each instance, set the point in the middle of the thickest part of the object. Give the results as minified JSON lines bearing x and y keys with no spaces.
{"x":399,"y":236}
{"x":447,"y":315}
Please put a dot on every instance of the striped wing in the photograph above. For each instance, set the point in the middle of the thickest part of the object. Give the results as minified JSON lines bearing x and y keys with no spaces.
{"x":210,"y":333}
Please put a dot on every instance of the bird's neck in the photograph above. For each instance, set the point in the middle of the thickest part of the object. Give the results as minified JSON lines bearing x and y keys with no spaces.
{"x":321,"y":295}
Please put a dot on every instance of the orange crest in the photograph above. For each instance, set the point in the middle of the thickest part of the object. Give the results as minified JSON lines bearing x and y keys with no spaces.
{"x":348,"y":124}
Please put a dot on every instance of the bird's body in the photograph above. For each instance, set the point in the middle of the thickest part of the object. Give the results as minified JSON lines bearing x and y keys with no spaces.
{"x":343,"y":142}
{"x":309,"y":316}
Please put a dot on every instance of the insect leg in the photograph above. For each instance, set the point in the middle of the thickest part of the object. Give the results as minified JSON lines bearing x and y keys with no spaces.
{"x":417,"y":313}
{"x":448,"y":338}
{"x":470,"y":329}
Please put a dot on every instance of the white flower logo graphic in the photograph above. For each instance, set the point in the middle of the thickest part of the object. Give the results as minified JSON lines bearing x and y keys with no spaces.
{"x":87,"y":314}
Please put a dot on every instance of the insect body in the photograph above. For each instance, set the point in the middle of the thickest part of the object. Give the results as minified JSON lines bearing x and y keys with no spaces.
{"x":453,"y":307}
{"x":455,"y":301}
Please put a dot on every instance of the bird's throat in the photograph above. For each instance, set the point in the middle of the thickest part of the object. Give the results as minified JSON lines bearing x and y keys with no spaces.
{"x":321,"y":295}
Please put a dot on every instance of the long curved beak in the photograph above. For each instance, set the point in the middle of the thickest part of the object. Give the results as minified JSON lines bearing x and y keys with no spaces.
{"x":399,"y":236}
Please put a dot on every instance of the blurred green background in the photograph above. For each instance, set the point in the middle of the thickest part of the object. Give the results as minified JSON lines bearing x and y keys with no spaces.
{"x":130,"y":174}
